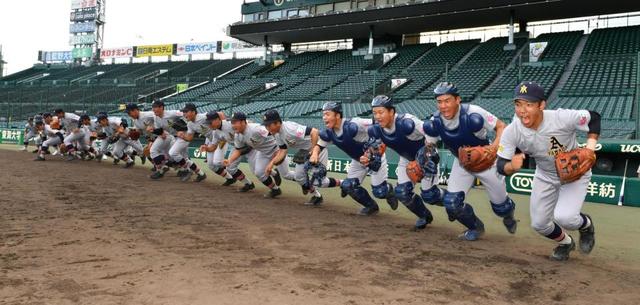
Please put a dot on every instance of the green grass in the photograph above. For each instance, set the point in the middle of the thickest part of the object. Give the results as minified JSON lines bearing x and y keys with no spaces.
{"x":618,"y":231}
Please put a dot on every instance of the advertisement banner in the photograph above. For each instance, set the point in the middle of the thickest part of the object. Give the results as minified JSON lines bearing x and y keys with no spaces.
{"x":181,"y":87}
{"x":85,"y":15}
{"x":51,"y":56}
{"x":82,"y":39}
{"x":197,"y":48}
{"x":11,"y":136}
{"x":82,"y":52}
{"x":238,"y":46}
{"x":387,"y":57}
{"x":80,"y":4}
{"x":117,"y":52}
{"x":154,"y":50}
{"x":84,"y":27}
{"x":397,"y":82}
{"x":536,"y":49}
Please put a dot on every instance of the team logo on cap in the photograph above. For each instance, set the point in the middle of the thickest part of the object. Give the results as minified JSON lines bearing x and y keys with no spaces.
{"x":523,"y":89}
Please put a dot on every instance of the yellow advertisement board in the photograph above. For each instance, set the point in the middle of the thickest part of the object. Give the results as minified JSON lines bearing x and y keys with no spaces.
{"x":154,"y":50}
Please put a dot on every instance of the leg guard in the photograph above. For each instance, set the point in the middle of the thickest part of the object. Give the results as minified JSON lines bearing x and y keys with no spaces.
{"x":413,"y":202}
{"x":460,"y":211}
{"x":385,"y":191}
{"x":504,"y":209}
{"x":432,"y":196}
{"x":351,"y":186}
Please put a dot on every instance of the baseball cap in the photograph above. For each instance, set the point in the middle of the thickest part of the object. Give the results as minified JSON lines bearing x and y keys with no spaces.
{"x":157,"y":103}
{"x":238,"y":116}
{"x":59,"y":110}
{"x":212,"y":115}
{"x":271,"y":116}
{"x":189,"y":107}
{"x":529,"y":91}
{"x":131,"y":107}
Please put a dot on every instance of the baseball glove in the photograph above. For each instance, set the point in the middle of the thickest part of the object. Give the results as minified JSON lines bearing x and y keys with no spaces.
{"x":375,"y":149}
{"x":477,"y":158}
{"x":134,"y":134}
{"x":414,"y":171}
{"x":571,"y":165}
{"x":147,"y":150}
{"x":55,"y":124}
{"x":179,"y":125}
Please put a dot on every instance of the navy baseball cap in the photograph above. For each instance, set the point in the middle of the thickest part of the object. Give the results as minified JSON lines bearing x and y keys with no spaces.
{"x":189,"y":107}
{"x":157,"y":103}
{"x":271,"y":116}
{"x":59,"y":110}
{"x":239,"y":116}
{"x":212,"y":115}
{"x":530,"y":92}
{"x":131,"y":107}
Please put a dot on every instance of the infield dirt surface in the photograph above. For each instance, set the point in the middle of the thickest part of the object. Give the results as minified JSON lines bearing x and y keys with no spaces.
{"x":94,"y":233}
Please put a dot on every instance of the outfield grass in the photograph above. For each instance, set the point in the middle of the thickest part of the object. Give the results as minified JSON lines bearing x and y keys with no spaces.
{"x":618,"y":229}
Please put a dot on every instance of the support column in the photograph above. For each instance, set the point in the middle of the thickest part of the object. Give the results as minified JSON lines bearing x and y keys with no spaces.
{"x":370,"y":40}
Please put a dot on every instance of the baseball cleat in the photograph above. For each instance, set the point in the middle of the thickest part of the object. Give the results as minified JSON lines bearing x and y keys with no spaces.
{"x":472,"y":235}
{"x":273,"y":193}
{"x":561,"y":252}
{"x":23,"y":148}
{"x":39,"y":158}
{"x":116,"y":161}
{"x":164,"y":169}
{"x":35,"y":151}
{"x":70,"y":157}
{"x":587,"y":237}
{"x":157,"y":175}
{"x":314,"y":201}
{"x":277,"y":177}
{"x":181,"y":173}
{"x":186,"y":176}
{"x":201,"y":177}
{"x":246,"y":188}
{"x":143,"y":159}
{"x":55,"y":152}
{"x":421,"y":224}
{"x":229,"y":182}
{"x":129,"y":164}
{"x":510,"y":223}
{"x":391,"y":198}
{"x":368,"y":211}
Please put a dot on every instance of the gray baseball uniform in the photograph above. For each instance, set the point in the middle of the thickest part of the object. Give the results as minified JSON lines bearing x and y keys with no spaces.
{"x":163,"y":144}
{"x":297,"y":136}
{"x":264,"y":147}
{"x":551,"y":201}
{"x":223,"y":138}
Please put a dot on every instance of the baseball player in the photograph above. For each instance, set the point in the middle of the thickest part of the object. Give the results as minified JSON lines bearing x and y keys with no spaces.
{"x":32,"y":130}
{"x":542,"y":134}
{"x":302,"y":138}
{"x":53,"y":132}
{"x":79,"y":138}
{"x":117,"y":131}
{"x":254,"y":142}
{"x":218,"y":141}
{"x":196,"y":124}
{"x":162,"y":128}
{"x":351,"y":136}
{"x":461,"y":126}
{"x":403,"y":133}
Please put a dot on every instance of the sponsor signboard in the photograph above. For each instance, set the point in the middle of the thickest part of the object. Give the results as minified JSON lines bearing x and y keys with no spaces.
{"x":11,"y":136}
{"x":397,"y":82}
{"x":82,"y":52}
{"x":51,"y":56}
{"x":80,"y":4}
{"x":84,"y":15}
{"x":154,"y":50}
{"x":117,"y":52}
{"x":82,"y":39}
{"x":84,"y":27}
{"x":197,"y":48}
{"x":238,"y":46}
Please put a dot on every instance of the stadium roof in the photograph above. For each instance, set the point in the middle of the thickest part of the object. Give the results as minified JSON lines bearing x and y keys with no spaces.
{"x":416,"y":17}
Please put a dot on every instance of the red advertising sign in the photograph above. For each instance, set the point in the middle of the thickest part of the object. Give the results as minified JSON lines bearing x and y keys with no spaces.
{"x":116,"y":52}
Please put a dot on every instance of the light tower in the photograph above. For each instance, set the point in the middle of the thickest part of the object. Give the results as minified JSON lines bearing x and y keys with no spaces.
{"x":86,"y":29}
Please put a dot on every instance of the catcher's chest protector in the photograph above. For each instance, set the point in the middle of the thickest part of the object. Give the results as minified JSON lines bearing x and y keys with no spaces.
{"x":398,"y":140}
{"x":346,"y":141}
{"x":463,"y":135}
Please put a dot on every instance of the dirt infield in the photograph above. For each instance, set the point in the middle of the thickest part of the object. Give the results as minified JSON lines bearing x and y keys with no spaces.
{"x":90,"y":233}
